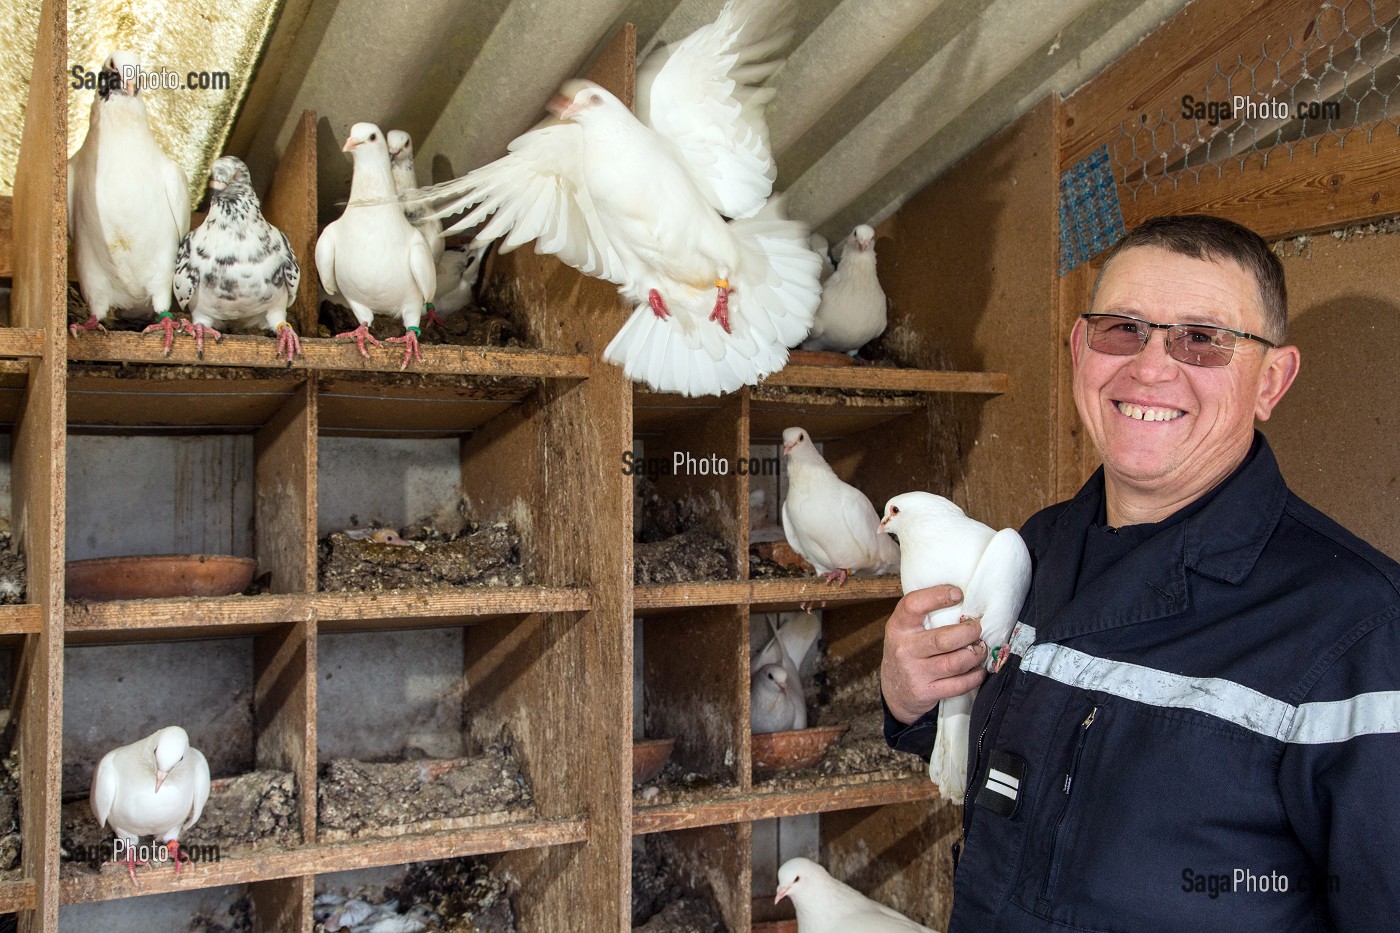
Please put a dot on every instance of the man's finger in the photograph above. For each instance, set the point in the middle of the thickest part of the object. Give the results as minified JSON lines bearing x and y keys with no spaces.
{"x":928,"y":643}
{"x":956,"y":686}
{"x":910,"y":612}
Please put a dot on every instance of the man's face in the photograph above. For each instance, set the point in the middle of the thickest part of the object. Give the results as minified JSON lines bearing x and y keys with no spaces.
{"x":1210,"y":410}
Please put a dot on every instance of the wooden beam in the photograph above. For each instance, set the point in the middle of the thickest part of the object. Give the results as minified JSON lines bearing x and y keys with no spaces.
{"x":285,"y":494}
{"x":840,"y":794}
{"x":284,"y":903}
{"x":889,"y":380}
{"x":327,"y":354}
{"x":771,"y":595}
{"x":290,"y":206}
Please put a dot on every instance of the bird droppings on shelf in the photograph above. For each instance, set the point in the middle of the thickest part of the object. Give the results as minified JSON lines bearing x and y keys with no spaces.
{"x":10,"y":840}
{"x":673,"y":543}
{"x":477,"y":555}
{"x":363,"y":797}
{"x":770,"y":560}
{"x":244,"y":813}
{"x":12,"y":573}
{"x":472,"y":326}
{"x":662,"y":900}
{"x":675,"y":783}
{"x":464,"y":892}
{"x":237,"y":919}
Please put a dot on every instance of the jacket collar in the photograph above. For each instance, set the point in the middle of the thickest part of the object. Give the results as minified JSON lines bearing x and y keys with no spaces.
{"x":1221,"y":541}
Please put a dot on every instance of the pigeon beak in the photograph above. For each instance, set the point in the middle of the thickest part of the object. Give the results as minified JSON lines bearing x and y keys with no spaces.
{"x":787,"y":449}
{"x":883,"y":522}
{"x":351,"y":144}
{"x":561,"y":107}
{"x":216,"y":185}
{"x":782,"y":893}
{"x":160,"y":778}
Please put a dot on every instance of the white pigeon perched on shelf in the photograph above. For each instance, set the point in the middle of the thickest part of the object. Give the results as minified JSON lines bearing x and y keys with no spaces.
{"x":939,"y":544}
{"x":406,"y":179}
{"x":236,"y":268}
{"x":457,"y":272}
{"x":825,"y":905}
{"x":155,"y":787}
{"x":777,"y":702}
{"x":128,"y":206}
{"x":828,"y":521}
{"x":853,"y":307}
{"x":641,"y":201}
{"x":372,"y":254}
{"x":823,"y":250}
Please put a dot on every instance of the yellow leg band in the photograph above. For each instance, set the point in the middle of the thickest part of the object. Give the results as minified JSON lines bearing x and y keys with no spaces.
{"x":721,"y":283}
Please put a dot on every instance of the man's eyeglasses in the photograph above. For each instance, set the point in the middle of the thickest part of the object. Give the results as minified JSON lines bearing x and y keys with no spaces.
{"x":1196,"y":344}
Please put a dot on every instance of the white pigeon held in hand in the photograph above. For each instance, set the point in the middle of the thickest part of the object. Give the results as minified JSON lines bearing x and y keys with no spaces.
{"x":828,"y":521}
{"x":853,"y":308}
{"x":236,"y":267}
{"x":641,"y":201}
{"x":825,"y":905}
{"x":372,"y":254}
{"x":128,"y":206}
{"x":938,"y":544}
{"x":154,"y":787}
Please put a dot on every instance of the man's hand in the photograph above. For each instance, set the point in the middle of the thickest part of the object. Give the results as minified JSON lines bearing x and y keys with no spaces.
{"x":922,"y":666}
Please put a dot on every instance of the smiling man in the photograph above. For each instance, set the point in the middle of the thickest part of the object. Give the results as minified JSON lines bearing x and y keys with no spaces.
{"x":1196,"y":726}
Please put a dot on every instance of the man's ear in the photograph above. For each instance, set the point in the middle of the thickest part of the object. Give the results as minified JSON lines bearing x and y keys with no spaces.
{"x":1280,"y":369}
{"x":1076,"y":340}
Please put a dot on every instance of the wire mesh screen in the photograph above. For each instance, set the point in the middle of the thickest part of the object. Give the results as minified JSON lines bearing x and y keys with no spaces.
{"x":1341,"y":79}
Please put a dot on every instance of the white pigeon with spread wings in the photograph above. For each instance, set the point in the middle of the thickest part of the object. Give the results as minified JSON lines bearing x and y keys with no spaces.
{"x":153,"y":787}
{"x":939,"y":544}
{"x":128,"y":206}
{"x":641,"y":201}
{"x":853,"y":308}
{"x":827,"y":520}
{"x":372,"y":255}
{"x":825,"y":905}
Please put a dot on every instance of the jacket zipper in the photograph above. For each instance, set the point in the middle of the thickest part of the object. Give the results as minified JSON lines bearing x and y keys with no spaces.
{"x":1051,"y":876}
{"x":977,"y":761}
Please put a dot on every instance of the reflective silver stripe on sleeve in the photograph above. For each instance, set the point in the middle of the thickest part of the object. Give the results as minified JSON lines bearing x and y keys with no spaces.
{"x":1339,"y":720}
{"x":1022,"y":637}
{"x":1309,"y":724}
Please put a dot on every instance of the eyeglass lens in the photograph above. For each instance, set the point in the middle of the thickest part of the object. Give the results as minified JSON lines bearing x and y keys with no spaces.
{"x":1196,"y":344}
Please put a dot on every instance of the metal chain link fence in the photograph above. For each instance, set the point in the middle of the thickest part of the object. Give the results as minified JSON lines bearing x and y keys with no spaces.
{"x":1340,"y":81}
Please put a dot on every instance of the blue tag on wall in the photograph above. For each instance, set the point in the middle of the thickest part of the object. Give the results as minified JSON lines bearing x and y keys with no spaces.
{"x":1091,"y":219}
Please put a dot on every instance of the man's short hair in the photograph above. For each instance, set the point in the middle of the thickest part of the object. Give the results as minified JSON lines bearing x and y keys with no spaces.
{"x":1203,"y":236}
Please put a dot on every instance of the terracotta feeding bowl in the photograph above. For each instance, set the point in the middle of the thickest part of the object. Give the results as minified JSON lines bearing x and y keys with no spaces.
{"x":789,"y":751}
{"x":159,"y":576}
{"x":649,"y":756}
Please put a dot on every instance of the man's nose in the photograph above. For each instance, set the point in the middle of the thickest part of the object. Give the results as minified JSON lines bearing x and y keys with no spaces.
{"x":1153,"y":363}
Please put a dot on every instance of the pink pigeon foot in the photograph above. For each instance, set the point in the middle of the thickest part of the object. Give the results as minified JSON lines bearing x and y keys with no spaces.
{"x":92,"y":323}
{"x":176,"y":856}
{"x":410,"y":349}
{"x":361,"y":334}
{"x":197,"y":331}
{"x":836,"y":576}
{"x":169,"y":326}
{"x":287,"y":342}
{"x":431,"y":319}
{"x":131,"y":862}
{"x":658,"y":304}
{"x":721,"y":312}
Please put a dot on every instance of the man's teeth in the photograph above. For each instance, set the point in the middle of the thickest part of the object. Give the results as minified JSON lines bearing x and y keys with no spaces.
{"x":1148,"y":414}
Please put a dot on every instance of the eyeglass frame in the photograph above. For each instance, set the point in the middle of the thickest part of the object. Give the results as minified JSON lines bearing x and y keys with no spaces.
{"x":1089,"y":316}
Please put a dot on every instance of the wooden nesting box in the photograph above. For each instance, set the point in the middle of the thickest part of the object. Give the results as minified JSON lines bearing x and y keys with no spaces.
{"x":978,"y":307}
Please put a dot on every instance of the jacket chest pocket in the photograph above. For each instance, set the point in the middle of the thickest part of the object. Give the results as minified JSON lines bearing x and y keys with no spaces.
{"x":1062,"y":824}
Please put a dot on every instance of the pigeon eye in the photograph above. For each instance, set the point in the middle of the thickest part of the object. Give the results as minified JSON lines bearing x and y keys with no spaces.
{"x":373,"y":137}
{"x":894,"y":510}
{"x":595,"y":100}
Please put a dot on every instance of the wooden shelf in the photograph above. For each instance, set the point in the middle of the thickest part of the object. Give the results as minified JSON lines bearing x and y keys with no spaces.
{"x":16,"y":895}
{"x":112,"y":883}
{"x":21,"y":343}
{"x":757,"y":804}
{"x":21,"y":620}
{"x":886,"y":379}
{"x":770,"y":595}
{"x":237,"y":615}
{"x":327,"y":355}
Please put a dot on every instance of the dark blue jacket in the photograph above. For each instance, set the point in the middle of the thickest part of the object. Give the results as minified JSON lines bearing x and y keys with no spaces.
{"x":1205,"y":738}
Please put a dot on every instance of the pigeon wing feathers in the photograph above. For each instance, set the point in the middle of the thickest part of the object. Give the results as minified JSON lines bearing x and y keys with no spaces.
{"x":998,"y":586}
{"x":185,"y":277}
{"x":103,"y":795}
{"x":291,"y":270}
{"x":325,"y":259}
{"x":424,"y":270}
{"x":201,"y":785}
{"x":177,"y":194}
{"x":693,"y":100}
{"x":535,"y":192}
